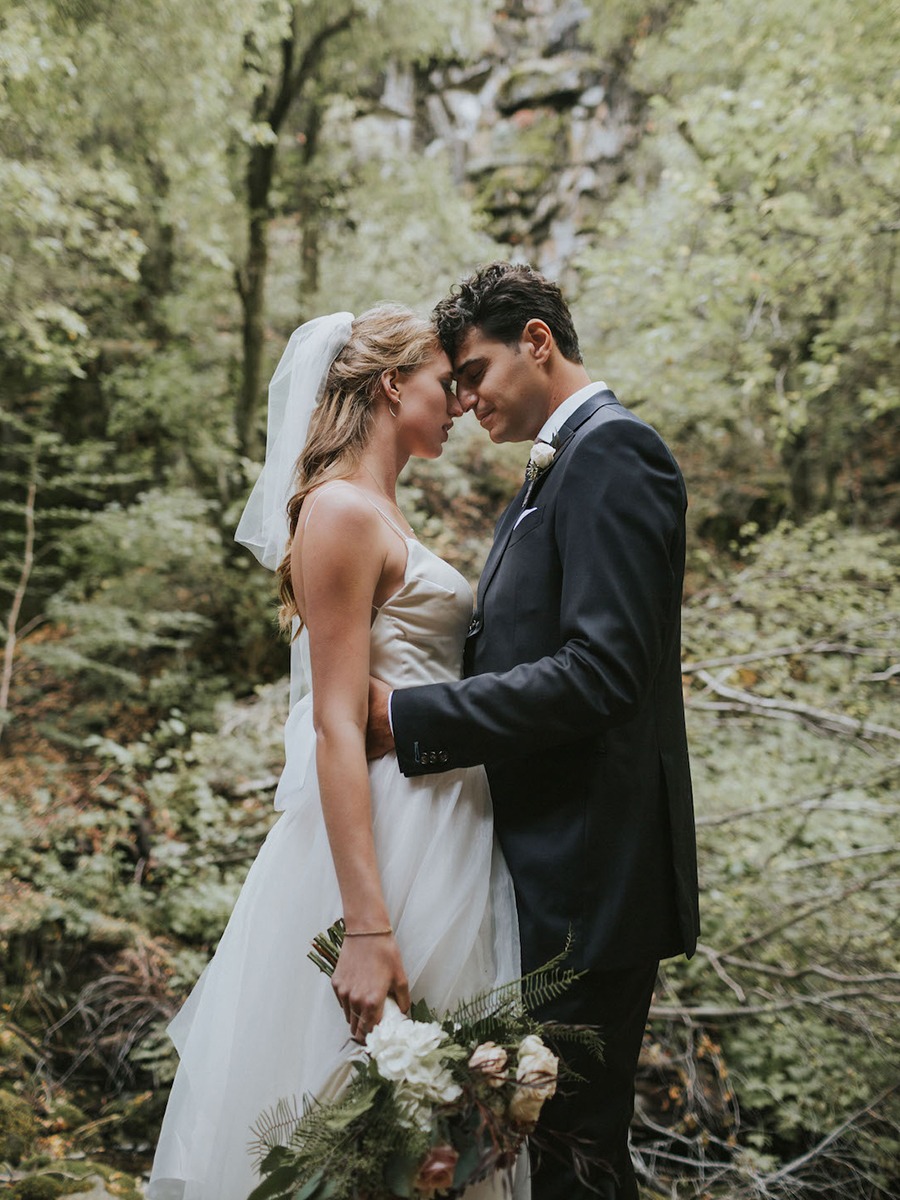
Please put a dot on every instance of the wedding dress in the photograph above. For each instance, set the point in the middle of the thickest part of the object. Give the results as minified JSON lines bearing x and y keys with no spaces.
{"x":262,"y":1023}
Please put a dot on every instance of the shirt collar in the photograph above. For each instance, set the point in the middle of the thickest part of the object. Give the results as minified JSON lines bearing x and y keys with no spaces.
{"x":560,"y":415}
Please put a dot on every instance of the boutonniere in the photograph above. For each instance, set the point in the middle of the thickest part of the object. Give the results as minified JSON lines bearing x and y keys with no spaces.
{"x":540,"y":459}
{"x":542,"y":455}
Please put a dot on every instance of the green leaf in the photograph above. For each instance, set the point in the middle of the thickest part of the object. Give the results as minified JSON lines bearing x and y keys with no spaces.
{"x":399,"y":1173}
{"x":419,"y":1011}
{"x":311,"y":1188}
{"x":274,"y":1159}
{"x":280,"y":1183}
{"x":466,"y":1163}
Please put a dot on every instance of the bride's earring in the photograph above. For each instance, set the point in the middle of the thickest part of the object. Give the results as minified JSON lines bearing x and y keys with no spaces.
{"x":391,"y":404}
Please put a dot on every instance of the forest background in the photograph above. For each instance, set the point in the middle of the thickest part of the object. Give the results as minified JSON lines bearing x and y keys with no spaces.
{"x":714,"y":183}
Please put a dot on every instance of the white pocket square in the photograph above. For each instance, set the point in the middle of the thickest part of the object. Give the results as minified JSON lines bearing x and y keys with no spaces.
{"x":522,"y":515}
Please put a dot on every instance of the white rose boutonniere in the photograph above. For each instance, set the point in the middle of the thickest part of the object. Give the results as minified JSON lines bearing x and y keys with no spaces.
{"x":542,"y":455}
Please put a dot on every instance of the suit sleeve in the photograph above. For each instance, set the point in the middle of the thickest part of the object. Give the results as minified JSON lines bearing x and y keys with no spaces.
{"x":619,"y":527}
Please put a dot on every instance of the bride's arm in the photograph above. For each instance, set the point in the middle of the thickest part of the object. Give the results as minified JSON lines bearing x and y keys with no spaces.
{"x":339,"y":562}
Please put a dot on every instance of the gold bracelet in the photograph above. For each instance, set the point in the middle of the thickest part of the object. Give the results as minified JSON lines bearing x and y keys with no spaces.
{"x":367,"y":932}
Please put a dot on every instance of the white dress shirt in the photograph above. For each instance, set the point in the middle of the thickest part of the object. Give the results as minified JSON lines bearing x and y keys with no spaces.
{"x":560,"y":415}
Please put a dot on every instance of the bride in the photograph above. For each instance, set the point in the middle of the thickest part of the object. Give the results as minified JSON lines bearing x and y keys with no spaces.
{"x":411,"y":864}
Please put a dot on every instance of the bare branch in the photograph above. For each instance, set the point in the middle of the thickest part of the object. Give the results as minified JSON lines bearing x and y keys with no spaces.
{"x":796,"y":974}
{"x":809,"y":910}
{"x":882,"y":676}
{"x":793,"y":1166}
{"x":813,"y":801}
{"x":835,"y":722}
{"x":715,"y":961}
{"x":819,"y":647}
{"x":864,"y":852}
{"x":714,"y":1012}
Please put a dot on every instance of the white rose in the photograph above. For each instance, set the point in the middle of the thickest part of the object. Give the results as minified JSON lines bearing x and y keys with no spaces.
{"x":490,"y":1059}
{"x":408,"y":1054}
{"x":542,"y":455}
{"x":536,"y":1074}
{"x":414,"y":1111}
{"x":537,"y":1067}
{"x":399,"y":1046}
{"x":390,"y":1050}
{"x":525,"y":1107}
{"x":417,"y":1101}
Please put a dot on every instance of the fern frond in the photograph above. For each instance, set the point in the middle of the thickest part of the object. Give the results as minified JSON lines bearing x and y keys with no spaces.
{"x":273,"y":1127}
{"x":513,"y":999}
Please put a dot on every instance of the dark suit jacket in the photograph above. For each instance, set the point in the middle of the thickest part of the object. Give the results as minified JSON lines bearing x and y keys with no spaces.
{"x":572,"y":699}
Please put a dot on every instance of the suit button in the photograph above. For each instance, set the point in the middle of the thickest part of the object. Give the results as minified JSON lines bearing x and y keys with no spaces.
{"x":443,"y":756}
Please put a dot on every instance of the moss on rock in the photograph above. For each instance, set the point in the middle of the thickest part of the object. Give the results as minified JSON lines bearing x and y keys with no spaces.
{"x":39,"y":1187}
{"x":18,"y":1128}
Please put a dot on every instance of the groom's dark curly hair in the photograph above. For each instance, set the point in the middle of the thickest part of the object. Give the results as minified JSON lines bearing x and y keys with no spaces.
{"x":500,"y":299}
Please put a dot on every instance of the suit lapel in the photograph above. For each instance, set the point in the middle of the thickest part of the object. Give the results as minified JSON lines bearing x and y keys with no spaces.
{"x":501,"y":537}
{"x":582,"y":413}
{"x":508,"y":520}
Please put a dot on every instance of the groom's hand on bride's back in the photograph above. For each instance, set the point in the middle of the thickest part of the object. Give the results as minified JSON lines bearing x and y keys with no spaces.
{"x":379,"y":738}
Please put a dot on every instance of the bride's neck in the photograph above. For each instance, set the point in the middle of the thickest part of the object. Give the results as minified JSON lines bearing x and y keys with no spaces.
{"x":381,"y":463}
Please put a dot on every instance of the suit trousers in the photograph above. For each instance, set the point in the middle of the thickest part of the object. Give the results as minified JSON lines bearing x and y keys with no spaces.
{"x":598,"y":1111}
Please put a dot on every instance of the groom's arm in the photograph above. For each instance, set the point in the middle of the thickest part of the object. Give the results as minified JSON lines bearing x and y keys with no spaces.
{"x":620,"y":536}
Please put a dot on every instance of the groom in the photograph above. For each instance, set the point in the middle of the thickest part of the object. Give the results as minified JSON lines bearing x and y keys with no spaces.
{"x":572,"y":694}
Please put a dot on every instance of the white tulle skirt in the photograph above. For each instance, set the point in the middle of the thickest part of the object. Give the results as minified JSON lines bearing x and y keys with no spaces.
{"x":262,"y":1024}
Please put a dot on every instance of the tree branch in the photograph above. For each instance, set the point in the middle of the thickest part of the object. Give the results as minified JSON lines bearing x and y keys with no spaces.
{"x":789,"y":709}
{"x":808,"y":910}
{"x":814,"y":801}
{"x":863,"y":852}
{"x":820,"y":647}
{"x":793,"y":1166}
{"x":315,"y":47}
{"x":882,"y":676}
{"x":713,"y":1012}
{"x":797,"y":974}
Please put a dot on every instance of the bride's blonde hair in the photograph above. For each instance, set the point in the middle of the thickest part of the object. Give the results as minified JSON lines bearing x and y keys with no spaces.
{"x":387,"y":337}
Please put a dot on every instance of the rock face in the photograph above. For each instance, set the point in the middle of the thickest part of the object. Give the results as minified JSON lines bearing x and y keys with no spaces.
{"x":536,"y":131}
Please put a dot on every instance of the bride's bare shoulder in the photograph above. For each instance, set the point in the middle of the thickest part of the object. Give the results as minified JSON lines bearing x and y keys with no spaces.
{"x":337,"y":521}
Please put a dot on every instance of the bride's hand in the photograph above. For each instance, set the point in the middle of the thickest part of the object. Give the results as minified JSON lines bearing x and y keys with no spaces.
{"x":369,"y":969}
{"x":379,"y":738}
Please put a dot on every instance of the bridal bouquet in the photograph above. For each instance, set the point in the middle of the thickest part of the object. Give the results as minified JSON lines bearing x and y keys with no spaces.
{"x":433,"y":1104}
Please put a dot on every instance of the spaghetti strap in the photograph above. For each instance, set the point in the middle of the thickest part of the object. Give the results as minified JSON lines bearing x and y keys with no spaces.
{"x":393,"y":524}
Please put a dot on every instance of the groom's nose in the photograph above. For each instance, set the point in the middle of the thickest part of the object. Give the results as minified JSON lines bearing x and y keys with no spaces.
{"x":466,"y":396}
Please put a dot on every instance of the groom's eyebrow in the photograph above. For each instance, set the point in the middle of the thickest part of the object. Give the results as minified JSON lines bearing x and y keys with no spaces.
{"x":466,"y":366}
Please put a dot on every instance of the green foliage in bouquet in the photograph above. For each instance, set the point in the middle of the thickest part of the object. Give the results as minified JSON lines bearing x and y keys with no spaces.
{"x":432,"y":1104}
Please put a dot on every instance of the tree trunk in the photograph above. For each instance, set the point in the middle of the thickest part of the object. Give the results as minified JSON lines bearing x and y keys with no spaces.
{"x":309,"y":208}
{"x":272,"y":109}
{"x":252,"y":290}
{"x":796,"y":458}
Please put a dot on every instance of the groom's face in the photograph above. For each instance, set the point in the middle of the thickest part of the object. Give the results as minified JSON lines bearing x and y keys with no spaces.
{"x":503,"y":385}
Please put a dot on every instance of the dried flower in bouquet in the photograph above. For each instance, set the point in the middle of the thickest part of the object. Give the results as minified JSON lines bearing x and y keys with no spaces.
{"x":433,"y":1104}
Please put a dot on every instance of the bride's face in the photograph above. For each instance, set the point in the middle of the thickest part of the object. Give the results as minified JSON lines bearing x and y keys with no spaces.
{"x":428,"y":406}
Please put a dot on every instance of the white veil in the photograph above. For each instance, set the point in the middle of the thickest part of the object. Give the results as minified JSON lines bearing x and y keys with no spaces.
{"x":295,"y":390}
